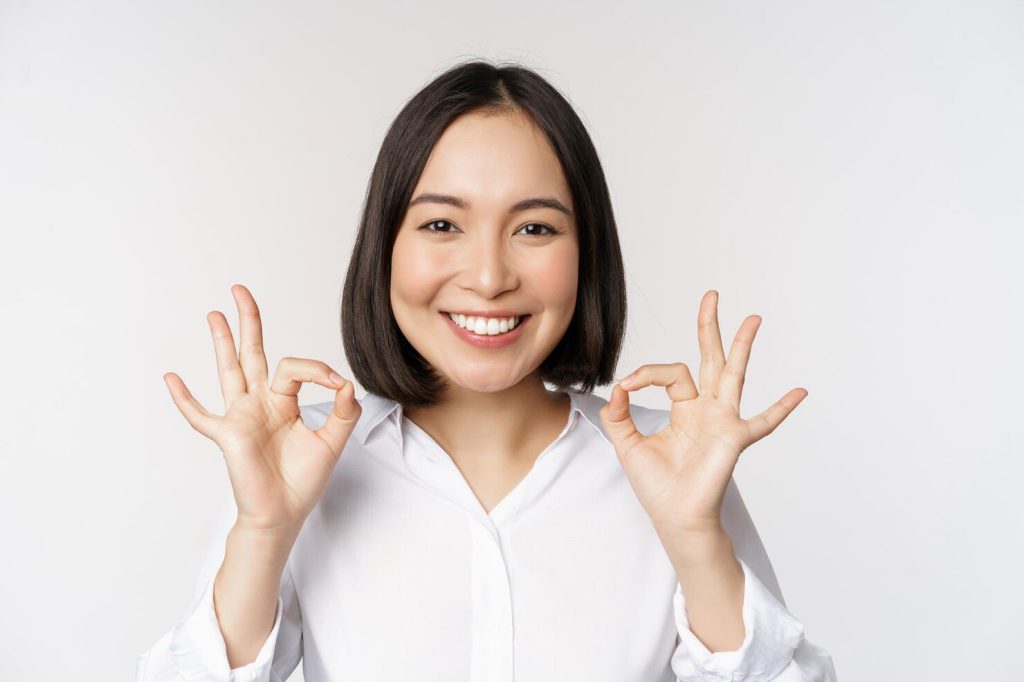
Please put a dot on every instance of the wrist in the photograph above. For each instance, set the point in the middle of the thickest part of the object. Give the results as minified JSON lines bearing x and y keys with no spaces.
{"x":692,"y":549}
{"x":268,"y":529}
{"x":263,"y":543}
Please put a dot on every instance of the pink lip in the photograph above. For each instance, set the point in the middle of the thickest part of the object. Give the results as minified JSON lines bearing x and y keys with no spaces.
{"x":486,"y":341}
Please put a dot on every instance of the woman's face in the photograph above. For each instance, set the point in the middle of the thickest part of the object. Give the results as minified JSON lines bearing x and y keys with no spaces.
{"x":476,"y":251}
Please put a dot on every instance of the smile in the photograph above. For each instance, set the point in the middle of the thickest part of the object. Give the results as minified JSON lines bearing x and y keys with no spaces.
{"x":485,"y":326}
{"x":483,"y":332}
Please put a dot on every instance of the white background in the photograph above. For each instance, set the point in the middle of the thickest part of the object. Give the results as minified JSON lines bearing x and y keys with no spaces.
{"x":849,"y":171}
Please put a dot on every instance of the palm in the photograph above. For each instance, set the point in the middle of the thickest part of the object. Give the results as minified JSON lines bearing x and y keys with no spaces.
{"x":277,"y":465}
{"x":680,"y":473}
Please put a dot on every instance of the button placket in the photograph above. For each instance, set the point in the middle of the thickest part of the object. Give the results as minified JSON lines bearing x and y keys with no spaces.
{"x":492,"y":608}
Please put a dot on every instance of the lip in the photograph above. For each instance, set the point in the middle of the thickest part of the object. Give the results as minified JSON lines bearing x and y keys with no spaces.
{"x":487,"y":341}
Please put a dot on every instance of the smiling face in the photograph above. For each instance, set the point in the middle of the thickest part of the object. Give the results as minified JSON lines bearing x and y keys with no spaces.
{"x":479,"y":244}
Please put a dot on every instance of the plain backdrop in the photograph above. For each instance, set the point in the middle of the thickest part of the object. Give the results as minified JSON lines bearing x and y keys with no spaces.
{"x":852,"y":172}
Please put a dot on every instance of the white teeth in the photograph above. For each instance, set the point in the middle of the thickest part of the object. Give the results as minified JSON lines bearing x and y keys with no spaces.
{"x":485,"y":326}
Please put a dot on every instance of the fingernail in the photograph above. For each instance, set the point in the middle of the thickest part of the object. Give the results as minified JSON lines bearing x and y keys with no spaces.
{"x":336,"y":379}
{"x":628,"y":378}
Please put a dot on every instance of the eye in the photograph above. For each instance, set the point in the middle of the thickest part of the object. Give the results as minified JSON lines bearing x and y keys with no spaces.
{"x":438,"y":227}
{"x":550,"y":229}
{"x":434,"y":224}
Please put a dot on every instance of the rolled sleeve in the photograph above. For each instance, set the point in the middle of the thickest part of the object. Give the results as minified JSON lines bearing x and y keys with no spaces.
{"x":774,"y":646}
{"x":772,"y":636}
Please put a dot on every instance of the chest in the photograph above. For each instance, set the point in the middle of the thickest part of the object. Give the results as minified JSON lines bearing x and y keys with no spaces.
{"x":492,"y":483}
{"x":492,"y":477}
{"x":397,"y":581}
{"x":575,"y":585}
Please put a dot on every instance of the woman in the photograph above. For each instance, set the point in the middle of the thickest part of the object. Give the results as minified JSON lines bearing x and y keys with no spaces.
{"x":462,"y":521}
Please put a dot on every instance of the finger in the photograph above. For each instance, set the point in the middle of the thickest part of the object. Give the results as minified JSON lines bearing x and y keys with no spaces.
{"x":764,"y":423}
{"x":196,"y":415}
{"x":675,"y":377}
{"x":291,"y":373}
{"x":712,"y":356}
{"x":250,"y":352}
{"x":342,"y":420}
{"x":730,"y":385}
{"x":618,"y":423}
{"x":232,"y":381}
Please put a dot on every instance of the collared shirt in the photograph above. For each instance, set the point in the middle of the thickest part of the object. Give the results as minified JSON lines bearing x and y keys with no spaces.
{"x":399,"y":573}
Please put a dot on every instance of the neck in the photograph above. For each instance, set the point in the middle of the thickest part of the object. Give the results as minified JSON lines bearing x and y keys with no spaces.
{"x":498,"y":426}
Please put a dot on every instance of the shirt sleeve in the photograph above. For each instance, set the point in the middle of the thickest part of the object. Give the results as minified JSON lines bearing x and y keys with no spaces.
{"x":774,"y":647}
{"x":195,"y":650}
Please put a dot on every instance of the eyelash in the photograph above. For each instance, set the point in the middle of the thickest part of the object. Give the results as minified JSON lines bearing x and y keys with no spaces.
{"x":425,"y":226}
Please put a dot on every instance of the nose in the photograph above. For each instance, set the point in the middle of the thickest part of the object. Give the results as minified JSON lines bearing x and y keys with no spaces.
{"x":490,"y":269}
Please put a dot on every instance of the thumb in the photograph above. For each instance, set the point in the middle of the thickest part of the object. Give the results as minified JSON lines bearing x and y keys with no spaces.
{"x":342,"y":419}
{"x":618,"y":423}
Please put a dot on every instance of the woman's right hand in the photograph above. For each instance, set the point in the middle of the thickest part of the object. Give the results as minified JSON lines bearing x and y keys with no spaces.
{"x":278,"y":467}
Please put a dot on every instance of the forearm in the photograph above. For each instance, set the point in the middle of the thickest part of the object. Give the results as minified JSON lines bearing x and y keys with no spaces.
{"x":246,"y":588}
{"x":712,"y":582}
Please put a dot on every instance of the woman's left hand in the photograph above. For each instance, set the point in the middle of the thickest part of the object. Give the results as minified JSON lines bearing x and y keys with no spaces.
{"x":680,"y":474}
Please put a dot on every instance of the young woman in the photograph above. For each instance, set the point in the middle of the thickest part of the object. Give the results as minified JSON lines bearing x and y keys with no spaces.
{"x":463,"y":521}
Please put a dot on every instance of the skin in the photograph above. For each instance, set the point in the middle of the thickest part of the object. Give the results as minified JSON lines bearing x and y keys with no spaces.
{"x":496,"y":415}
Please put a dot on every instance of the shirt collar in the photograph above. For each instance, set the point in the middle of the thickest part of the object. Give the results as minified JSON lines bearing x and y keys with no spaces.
{"x":377,"y":408}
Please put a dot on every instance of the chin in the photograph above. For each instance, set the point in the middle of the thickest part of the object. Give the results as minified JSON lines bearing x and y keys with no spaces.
{"x":482,"y":384}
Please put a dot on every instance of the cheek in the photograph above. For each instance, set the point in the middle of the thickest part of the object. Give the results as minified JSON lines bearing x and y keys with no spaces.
{"x":554,"y":275}
{"x":415,"y":273}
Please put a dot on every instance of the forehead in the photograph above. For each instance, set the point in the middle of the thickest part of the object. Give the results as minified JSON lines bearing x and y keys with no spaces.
{"x":494,"y":157}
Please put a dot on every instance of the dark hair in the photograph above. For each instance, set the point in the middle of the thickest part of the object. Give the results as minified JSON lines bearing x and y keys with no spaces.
{"x":381,"y":358}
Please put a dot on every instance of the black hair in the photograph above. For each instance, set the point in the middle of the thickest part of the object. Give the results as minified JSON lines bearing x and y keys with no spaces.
{"x":381,"y":358}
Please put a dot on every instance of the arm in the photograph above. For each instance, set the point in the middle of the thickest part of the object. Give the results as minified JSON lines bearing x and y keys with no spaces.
{"x":682,"y":476}
{"x":712,"y":580}
{"x":278,"y":467}
{"x":773,"y":646}
{"x":197,"y":647}
{"x":245,"y":593}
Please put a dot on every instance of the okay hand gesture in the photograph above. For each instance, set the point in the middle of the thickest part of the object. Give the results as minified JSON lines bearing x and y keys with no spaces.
{"x":277,"y":465}
{"x":680,"y":474}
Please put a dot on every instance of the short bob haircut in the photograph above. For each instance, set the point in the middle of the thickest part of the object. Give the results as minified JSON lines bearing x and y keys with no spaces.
{"x":381,"y":358}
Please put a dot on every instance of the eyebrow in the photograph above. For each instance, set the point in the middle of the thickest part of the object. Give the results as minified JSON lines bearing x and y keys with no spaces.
{"x":525,"y":204}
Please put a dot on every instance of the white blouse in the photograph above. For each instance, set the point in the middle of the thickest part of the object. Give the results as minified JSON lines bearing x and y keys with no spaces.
{"x":398,"y":573}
